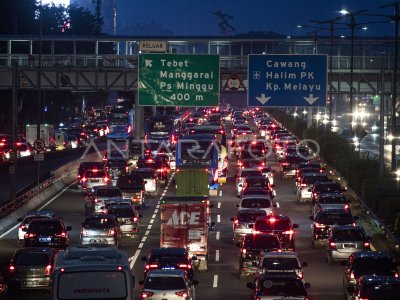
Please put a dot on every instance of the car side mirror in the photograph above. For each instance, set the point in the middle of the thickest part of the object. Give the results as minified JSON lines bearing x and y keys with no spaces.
{"x":273,"y":171}
{"x":250,"y":285}
{"x":24,"y":229}
{"x":144,"y":258}
{"x":304,"y":264}
{"x":145,"y":182}
{"x":296,"y":226}
{"x":195,"y":282}
{"x":69,"y":228}
{"x":309,"y":190}
{"x":240,"y":185}
{"x":237,"y":205}
{"x":251,"y":225}
{"x":307,"y":285}
{"x":311,"y":218}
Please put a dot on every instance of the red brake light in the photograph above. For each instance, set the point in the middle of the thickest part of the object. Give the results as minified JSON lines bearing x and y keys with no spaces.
{"x":396,"y":275}
{"x":289,"y":232}
{"x":62,"y":234}
{"x":29,"y":235}
{"x":366,"y":244}
{"x":185,"y":266}
{"x":244,"y":251}
{"x":11,"y":268}
{"x":318,"y":225}
{"x":145,"y":294}
{"x":84,"y":179}
{"x":272,"y":220}
{"x":332,"y":245}
{"x":183,"y":294}
{"x":352,"y":275}
{"x":47,"y":271}
{"x":111,"y":232}
{"x":236,"y":222}
{"x":151,"y":266}
{"x":135,"y":219}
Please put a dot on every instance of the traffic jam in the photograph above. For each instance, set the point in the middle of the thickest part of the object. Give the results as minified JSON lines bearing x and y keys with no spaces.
{"x":286,"y":211}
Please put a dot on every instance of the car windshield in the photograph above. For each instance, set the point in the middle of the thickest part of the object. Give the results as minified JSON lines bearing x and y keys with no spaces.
{"x":29,"y":219}
{"x":93,"y":174}
{"x":108,"y":193}
{"x":280,"y":263}
{"x":331,"y":187}
{"x":267,"y":225}
{"x":332,"y":200}
{"x":116,"y":163}
{"x":29,"y":259}
{"x":257,"y":182}
{"x":256,"y":203}
{"x":165,"y":283}
{"x":250,"y":217}
{"x":374,"y":266}
{"x":130,"y":180}
{"x":334,"y":218}
{"x":45,"y":228}
{"x":313,"y":179}
{"x":250,"y":173}
{"x":257,"y":241}
{"x":99,"y":222}
{"x":282,"y":288}
{"x":380,"y":291}
{"x":349,"y":235}
{"x":146,"y":175}
{"x":168,"y":257}
{"x":160,"y":126}
{"x":121,"y":212}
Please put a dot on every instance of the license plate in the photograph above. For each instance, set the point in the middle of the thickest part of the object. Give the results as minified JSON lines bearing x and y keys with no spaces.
{"x":94,"y":180}
{"x":168,"y":268}
{"x":349,"y":245}
{"x":45,"y":239}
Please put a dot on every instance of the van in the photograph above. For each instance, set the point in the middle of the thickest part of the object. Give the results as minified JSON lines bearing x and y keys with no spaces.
{"x":61,"y":140}
{"x":88,"y":272}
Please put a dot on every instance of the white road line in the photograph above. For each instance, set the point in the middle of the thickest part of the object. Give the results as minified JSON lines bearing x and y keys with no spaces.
{"x":158,"y":206}
{"x":149,"y":227}
{"x":217,"y":235}
{"x":43,"y":206}
{"x":156,"y":211}
{"x":219,"y":204}
{"x":151,"y":221}
{"x":134,"y":258}
{"x":144,"y":239}
{"x":216,"y":255}
{"x":147,"y":233}
{"x":140,"y":245}
{"x":218,"y":218}
{"x":215,"y":282}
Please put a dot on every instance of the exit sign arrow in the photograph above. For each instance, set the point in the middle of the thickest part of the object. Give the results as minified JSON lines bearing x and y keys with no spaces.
{"x":263,"y":99}
{"x":311,"y":99}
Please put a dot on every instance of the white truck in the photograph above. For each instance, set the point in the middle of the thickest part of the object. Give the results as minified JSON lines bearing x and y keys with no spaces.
{"x":46,"y":134}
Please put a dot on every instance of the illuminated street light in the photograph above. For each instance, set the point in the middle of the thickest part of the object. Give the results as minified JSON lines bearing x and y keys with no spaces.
{"x":390,"y":137}
{"x":374,"y":128}
{"x":364,"y":124}
{"x":353,"y":123}
{"x":344,"y":12}
{"x":295,"y":114}
{"x":304,"y":112}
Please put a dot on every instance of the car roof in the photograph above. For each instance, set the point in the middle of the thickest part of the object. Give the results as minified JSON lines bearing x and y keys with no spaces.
{"x":371,"y":254}
{"x":164,"y":273}
{"x":100,"y":216}
{"x":46,"y":250}
{"x":277,"y":217}
{"x":41,"y":213}
{"x":323,"y":195}
{"x":276,"y":254}
{"x":169,"y":250}
{"x":374,"y":279}
{"x":347,"y":227}
{"x":250,"y":211}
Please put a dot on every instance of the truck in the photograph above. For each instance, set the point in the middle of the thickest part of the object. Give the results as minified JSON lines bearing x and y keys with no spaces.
{"x":132,"y":187}
{"x":46,"y":134}
{"x":191,"y":181}
{"x":185,"y":222}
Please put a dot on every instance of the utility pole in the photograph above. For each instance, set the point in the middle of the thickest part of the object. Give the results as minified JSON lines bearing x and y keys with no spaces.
{"x":13,"y":160}
{"x":381,"y":124}
{"x":39,"y":83}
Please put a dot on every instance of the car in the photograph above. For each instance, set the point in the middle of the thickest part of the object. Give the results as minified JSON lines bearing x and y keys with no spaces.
{"x":92,"y":165}
{"x":359,"y":264}
{"x":288,"y":165}
{"x":156,"y":163}
{"x":100,"y":229}
{"x":258,"y":182}
{"x":97,"y":197}
{"x":242,"y":220}
{"x":377,"y":287}
{"x":93,"y":178}
{"x":323,"y":187}
{"x":29,"y":217}
{"x":251,"y":248}
{"x":270,"y":287}
{"x":306,"y":183}
{"x":260,"y":202}
{"x":3,"y":286}
{"x":49,"y":232}
{"x":281,"y":263}
{"x":151,"y":185}
{"x":345,"y":240}
{"x":279,"y":225}
{"x":243,"y":173}
{"x":132,"y":187}
{"x":171,"y":258}
{"x":31,"y":268}
{"x":269,"y":173}
{"x":328,"y":201}
{"x":325,"y":220}
{"x":116,"y":167}
{"x":127,"y":217}
{"x":168,"y":284}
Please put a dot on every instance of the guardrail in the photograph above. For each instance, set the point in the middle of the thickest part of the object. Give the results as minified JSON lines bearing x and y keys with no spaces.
{"x":25,"y":197}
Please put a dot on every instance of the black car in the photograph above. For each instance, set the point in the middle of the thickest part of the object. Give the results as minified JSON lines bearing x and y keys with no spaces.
{"x":278,"y":287}
{"x":31,"y":268}
{"x":325,"y":187}
{"x":251,"y":250}
{"x":51,"y":233}
{"x":116,"y":167}
{"x":289,"y":164}
{"x":378,"y":287}
{"x":359,"y":264}
{"x":173,"y":258}
{"x":281,"y":226}
{"x":132,"y":186}
{"x":325,"y":220}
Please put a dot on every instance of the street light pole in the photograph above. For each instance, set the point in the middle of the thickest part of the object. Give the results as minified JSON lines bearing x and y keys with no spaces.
{"x":39,"y":84}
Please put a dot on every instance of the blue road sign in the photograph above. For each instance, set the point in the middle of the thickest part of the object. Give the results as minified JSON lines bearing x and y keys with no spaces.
{"x":287,"y":80}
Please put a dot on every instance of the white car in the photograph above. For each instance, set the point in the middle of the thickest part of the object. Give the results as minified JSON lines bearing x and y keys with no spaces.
{"x":257,"y":202}
{"x":151,"y":180}
{"x":29,"y":216}
{"x":243,"y":173}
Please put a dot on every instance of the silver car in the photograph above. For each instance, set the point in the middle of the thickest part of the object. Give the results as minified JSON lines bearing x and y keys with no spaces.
{"x":242,"y":220}
{"x":345,"y":240}
{"x":128,"y":218}
{"x":101,"y":229}
{"x":168,"y":284}
{"x":95,"y":202}
{"x":243,"y":173}
{"x":261,"y":202}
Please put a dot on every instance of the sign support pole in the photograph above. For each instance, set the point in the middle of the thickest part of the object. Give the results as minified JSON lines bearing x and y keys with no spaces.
{"x":13,"y":162}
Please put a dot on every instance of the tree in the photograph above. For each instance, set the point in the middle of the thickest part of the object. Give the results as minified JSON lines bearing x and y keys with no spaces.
{"x":82,"y":21}
{"x":17,"y":16}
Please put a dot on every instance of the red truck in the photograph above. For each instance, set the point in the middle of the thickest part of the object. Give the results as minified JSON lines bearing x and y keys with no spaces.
{"x":185,"y":222}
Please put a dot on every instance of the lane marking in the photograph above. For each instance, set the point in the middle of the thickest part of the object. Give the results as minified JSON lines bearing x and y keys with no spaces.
{"x":134,"y":258}
{"x":154,"y":216}
{"x":148,"y":227}
{"x":215,"y":282}
{"x":140,"y":245}
{"x":217,"y":235}
{"x":151,"y":221}
{"x":218,"y":218}
{"x":43,"y":206}
{"x":144,"y":239}
{"x":219,"y":204}
{"x":216,"y":255}
{"x":147,"y":232}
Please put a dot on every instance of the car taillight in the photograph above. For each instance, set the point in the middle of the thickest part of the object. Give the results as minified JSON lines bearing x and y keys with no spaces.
{"x":285,"y":164}
{"x":83,"y":179}
{"x":303,"y":185}
{"x":29,"y":235}
{"x":22,"y":227}
{"x":244,"y":251}
{"x":332,"y":245}
{"x":290,"y":232}
{"x":318,"y":225}
{"x":352,"y":275}
{"x":396,"y":275}
{"x":366,"y":245}
{"x":134,"y":219}
{"x":47,"y":270}
{"x":151,"y":266}
{"x":62,"y":234}
{"x":146,"y":294}
{"x":111,"y":232}
{"x":183,"y":294}
{"x":11,"y":268}
{"x":185,"y":266}
{"x":105,"y":179}
{"x":96,"y":200}
{"x":84,"y":232}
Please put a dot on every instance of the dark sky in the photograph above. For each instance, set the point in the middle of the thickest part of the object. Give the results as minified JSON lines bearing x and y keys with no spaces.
{"x":192,"y":17}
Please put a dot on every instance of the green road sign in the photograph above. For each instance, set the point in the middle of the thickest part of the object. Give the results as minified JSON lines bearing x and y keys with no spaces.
{"x":178,"y":80}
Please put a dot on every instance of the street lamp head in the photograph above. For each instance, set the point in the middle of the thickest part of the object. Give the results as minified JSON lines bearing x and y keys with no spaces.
{"x":299,"y":26}
{"x":344,"y":12}
{"x":364,"y":28}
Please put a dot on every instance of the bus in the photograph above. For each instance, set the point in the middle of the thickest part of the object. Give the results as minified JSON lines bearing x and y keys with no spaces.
{"x":121,"y":124}
{"x":163,"y":129}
